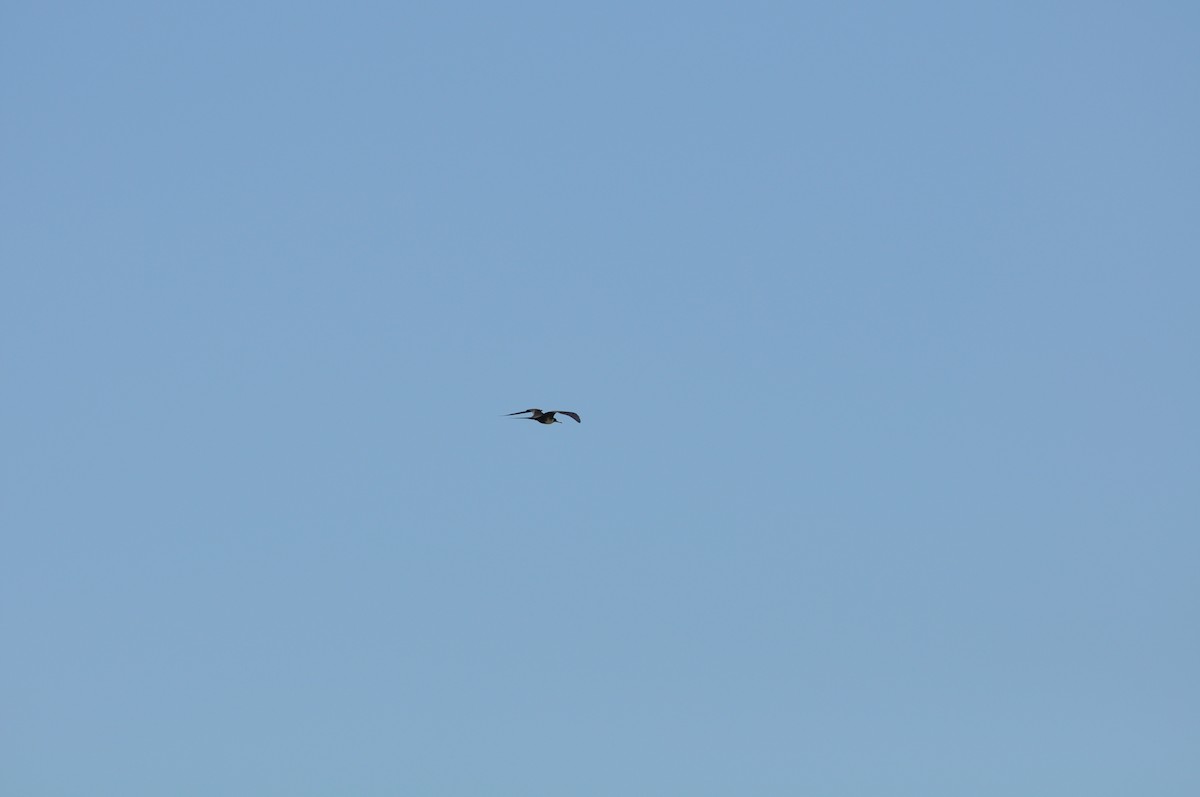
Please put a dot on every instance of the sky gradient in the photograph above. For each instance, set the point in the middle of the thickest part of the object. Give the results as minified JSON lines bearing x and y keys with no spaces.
{"x":882,"y":321}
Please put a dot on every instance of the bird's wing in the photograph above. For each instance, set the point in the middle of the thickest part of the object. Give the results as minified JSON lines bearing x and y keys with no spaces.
{"x":569,"y":414}
{"x":522,"y":412}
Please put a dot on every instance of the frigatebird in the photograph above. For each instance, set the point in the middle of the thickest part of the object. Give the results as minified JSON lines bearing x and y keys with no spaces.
{"x":547,"y":417}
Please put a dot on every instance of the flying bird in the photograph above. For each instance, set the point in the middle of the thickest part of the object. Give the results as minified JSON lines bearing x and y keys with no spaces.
{"x":547,"y":417}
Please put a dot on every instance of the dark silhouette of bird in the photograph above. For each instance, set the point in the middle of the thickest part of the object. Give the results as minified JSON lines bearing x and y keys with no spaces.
{"x":547,"y":417}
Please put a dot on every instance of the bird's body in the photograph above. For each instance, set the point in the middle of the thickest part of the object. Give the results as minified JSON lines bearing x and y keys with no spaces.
{"x":548,"y":416}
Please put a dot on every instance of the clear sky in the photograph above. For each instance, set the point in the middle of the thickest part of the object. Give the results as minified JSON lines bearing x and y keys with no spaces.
{"x":882,"y":319}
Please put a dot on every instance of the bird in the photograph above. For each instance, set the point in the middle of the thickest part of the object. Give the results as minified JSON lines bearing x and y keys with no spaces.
{"x":547,"y":417}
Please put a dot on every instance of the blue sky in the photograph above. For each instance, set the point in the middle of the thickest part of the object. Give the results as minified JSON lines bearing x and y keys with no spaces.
{"x":881,"y":319}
